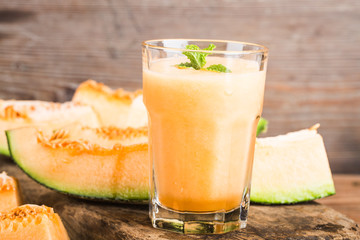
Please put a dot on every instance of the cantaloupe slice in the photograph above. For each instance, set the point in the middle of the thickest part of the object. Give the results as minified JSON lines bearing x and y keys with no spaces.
{"x":9,"y":192}
{"x":291,"y":168}
{"x":117,"y":108}
{"x":15,"y":114}
{"x":104,"y":163}
{"x":112,"y":163}
{"x":31,"y":222}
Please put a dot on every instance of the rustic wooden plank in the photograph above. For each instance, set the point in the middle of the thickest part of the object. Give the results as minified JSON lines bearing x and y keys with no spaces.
{"x":48,"y":47}
{"x":95,"y":220}
{"x":347,"y":197}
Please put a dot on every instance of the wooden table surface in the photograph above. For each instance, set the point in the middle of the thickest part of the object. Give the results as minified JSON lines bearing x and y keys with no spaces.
{"x":347,"y":197}
{"x":86,"y":219}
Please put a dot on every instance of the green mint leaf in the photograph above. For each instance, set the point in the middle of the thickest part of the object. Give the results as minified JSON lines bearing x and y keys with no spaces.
{"x":262,"y":126}
{"x":209,"y":48}
{"x":197,"y":59}
{"x":218,"y":68}
{"x":184,"y":65}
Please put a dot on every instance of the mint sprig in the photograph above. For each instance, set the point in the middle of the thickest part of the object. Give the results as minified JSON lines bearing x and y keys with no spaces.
{"x":185,"y":65}
{"x":218,"y":68}
{"x":198,"y":59}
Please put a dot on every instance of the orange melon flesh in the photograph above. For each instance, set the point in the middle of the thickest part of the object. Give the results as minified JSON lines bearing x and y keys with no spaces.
{"x":118,"y":108}
{"x":32,"y":222}
{"x":15,"y":114}
{"x":106,"y":163}
{"x":9,"y":192}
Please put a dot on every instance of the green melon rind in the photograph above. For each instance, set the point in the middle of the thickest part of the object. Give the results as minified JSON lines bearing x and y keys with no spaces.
{"x":293,"y":196}
{"x":4,"y":151}
{"x":127,"y":196}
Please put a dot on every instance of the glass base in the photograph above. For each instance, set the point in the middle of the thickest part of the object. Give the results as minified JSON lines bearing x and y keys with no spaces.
{"x":196,"y":223}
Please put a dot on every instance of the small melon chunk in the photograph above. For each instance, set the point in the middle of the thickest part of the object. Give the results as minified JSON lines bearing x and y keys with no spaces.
{"x":104,"y":163}
{"x":15,"y":114}
{"x":32,"y":222}
{"x":118,"y":108}
{"x":291,"y":168}
{"x":9,"y":192}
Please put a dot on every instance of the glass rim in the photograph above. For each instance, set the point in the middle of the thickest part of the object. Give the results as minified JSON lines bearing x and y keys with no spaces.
{"x":262,"y":49}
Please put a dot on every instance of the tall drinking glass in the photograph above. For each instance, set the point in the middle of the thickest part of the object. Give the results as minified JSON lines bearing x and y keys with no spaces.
{"x":202,"y":130}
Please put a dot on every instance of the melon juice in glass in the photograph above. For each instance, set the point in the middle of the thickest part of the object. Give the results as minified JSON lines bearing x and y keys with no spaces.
{"x":203,"y":106}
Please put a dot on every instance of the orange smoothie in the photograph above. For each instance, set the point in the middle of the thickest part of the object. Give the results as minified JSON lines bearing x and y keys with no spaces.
{"x":202,"y":132}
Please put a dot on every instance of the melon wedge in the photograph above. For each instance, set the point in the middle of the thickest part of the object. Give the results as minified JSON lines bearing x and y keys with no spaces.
{"x":32,"y":222}
{"x":15,"y":114}
{"x":9,"y":192}
{"x":118,"y":108}
{"x":104,"y":163}
{"x":291,"y":168}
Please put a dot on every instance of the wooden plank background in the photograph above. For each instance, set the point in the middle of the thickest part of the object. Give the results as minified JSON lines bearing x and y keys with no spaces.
{"x":48,"y":47}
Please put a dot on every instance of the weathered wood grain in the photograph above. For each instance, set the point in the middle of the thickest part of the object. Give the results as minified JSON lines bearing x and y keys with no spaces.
{"x":93,"y":220}
{"x":48,"y":47}
{"x":347,"y":197}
